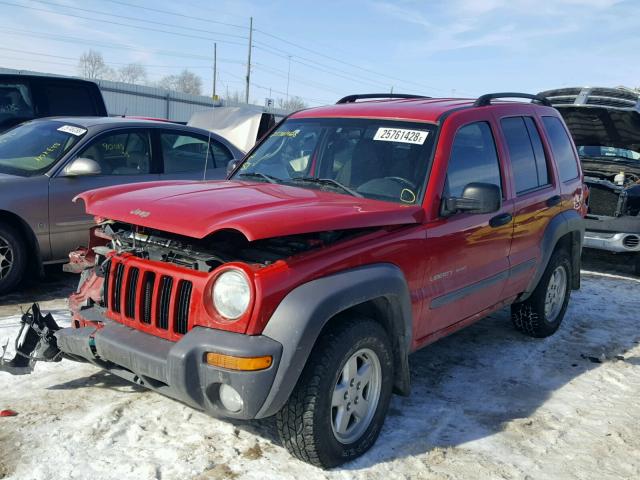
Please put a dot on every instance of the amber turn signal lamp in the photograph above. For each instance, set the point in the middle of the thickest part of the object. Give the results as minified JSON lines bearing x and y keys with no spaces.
{"x":238,"y":363}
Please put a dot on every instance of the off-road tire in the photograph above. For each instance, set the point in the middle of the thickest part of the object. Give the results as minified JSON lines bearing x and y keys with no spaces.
{"x":305,"y":422}
{"x":529,"y":316}
{"x":15,"y":273}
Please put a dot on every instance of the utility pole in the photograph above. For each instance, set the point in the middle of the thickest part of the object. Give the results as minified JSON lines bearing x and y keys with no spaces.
{"x":288,"y":72}
{"x":246,"y":96}
{"x":391,"y":89}
{"x":215,"y":48}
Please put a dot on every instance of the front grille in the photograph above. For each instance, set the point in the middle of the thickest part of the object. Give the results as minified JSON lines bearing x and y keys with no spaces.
{"x":144,"y":299}
{"x":603,"y":201}
{"x":631,"y":241}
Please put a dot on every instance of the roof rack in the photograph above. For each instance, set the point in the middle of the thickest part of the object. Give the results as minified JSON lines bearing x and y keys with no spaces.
{"x":353,"y":98}
{"x":485,"y":100}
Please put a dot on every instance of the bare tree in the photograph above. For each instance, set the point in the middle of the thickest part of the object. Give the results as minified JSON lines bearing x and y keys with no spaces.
{"x":132,"y":73}
{"x":292,"y":104}
{"x":92,"y":65}
{"x":185,"y":82}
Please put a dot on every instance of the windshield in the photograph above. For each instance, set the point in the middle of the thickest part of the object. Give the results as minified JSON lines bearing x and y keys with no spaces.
{"x":614,"y":153}
{"x":377,"y":159}
{"x":33,"y":147}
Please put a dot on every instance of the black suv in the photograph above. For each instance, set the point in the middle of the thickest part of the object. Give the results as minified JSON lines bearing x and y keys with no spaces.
{"x":25,"y":97}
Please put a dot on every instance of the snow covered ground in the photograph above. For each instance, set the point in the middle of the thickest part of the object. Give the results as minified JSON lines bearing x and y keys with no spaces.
{"x":487,"y":402}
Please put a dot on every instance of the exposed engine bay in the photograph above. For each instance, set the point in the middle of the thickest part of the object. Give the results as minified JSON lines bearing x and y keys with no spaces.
{"x":216,"y":249}
{"x":614,"y":191}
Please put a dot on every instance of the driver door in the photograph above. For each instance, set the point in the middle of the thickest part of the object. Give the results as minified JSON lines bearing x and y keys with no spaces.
{"x":469,"y":253}
{"x":124,"y":156}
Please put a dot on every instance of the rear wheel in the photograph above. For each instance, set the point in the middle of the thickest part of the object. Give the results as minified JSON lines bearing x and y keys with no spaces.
{"x":541,"y":314}
{"x":12,"y":258}
{"x":337,"y":409}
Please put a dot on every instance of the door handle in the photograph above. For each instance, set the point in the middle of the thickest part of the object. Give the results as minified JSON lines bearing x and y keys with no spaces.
{"x":500,"y":220}
{"x":553,"y":201}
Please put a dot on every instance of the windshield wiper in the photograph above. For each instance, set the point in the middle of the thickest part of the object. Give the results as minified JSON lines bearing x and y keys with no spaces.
{"x":268,"y":178}
{"x":327,"y":181}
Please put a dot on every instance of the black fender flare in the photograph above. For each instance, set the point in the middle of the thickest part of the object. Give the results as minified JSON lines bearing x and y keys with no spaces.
{"x":566,"y":222}
{"x":299,"y":319}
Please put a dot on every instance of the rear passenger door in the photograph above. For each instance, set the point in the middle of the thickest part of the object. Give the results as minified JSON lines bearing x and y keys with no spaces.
{"x":468,"y":253}
{"x":185,"y":156}
{"x":536,"y":197}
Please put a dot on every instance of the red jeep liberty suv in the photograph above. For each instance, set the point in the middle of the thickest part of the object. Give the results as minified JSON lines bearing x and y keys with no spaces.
{"x":349,"y":237}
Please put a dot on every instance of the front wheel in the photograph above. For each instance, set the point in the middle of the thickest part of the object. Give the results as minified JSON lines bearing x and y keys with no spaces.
{"x":12,"y":258}
{"x":541,"y":314}
{"x":337,"y":409}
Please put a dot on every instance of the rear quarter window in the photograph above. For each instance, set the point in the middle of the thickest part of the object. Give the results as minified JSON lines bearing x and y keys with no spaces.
{"x":69,"y":100}
{"x":562,"y":148}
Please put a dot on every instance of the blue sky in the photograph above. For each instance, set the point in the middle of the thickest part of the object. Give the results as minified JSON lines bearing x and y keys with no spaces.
{"x":335,"y":48}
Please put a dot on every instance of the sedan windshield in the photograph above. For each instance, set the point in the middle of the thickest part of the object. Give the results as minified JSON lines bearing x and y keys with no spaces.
{"x":33,"y":147}
{"x":378,"y":159}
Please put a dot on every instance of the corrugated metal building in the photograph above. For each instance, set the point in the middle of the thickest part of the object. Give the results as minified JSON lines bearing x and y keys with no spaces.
{"x":139,"y":100}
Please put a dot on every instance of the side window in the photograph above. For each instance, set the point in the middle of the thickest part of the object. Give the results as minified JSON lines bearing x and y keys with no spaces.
{"x":525,"y":152}
{"x":221,"y":154}
{"x":561,"y":147}
{"x":15,"y":101}
{"x":187,"y":153}
{"x":121,"y":153}
{"x":69,"y":100}
{"x":473,"y":159}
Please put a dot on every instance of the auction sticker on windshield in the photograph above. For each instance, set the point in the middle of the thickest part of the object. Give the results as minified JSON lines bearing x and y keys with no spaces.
{"x":401,"y":135}
{"x":77,"y":131}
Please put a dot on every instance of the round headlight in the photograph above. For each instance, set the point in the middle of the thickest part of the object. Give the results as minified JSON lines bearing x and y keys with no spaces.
{"x":231,"y":294}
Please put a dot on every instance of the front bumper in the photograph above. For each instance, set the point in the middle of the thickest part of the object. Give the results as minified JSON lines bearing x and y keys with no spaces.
{"x":176,"y":369}
{"x":612,"y":242}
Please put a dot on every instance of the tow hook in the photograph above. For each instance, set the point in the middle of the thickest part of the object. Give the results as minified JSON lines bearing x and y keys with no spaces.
{"x":35,"y":342}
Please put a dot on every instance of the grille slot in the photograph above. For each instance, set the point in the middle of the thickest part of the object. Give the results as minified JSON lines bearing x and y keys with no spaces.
{"x":182,"y":310}
{"x":130,"y":298}
{"x":148,"y":282}
{"x":105,"y":291}
{"x":117,"y":288}
{"x":162,"y":320}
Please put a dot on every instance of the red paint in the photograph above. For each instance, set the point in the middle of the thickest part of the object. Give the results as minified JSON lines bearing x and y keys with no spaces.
{"x":437,"y":255}
{"x":8,"y":413}
{"x":258,"y":210}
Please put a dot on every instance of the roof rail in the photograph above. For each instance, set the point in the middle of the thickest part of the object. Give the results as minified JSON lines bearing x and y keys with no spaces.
{"x":485,"y":100}
{"x":353,"y":98}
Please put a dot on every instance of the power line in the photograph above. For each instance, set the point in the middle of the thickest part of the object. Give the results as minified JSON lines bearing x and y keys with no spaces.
{"x":120,"y":24}
{"x":27,"y":52}
{"x":138,"y":19}
{"x":352,"y":65}
{"x":175,"y":14}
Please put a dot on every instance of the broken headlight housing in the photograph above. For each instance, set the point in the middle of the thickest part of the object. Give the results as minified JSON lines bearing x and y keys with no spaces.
{"x":231,"y":294}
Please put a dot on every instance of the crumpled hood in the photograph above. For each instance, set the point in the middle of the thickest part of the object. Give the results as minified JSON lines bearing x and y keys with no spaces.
{"x":600,"y":126}
{"x":258,"y":210}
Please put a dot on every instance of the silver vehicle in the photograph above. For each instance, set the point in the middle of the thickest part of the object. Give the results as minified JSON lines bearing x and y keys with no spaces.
{"x":45,"y":163}
{"x":605,"y":125}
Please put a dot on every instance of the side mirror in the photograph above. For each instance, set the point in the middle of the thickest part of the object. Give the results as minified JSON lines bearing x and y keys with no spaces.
{"x":81,"y":167}
{"x":231,"y":166}
{"x":476,"y":198}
